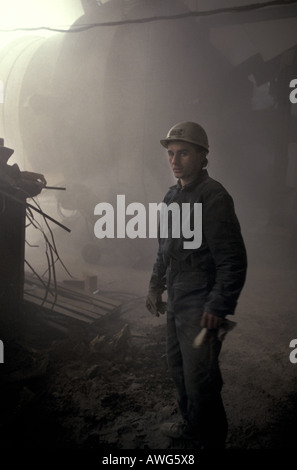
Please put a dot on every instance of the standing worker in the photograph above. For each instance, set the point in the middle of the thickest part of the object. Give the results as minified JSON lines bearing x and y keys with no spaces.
{"x":203,"y":285}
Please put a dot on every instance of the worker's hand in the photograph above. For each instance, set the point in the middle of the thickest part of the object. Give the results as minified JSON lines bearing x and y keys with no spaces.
{"x":155,"y":305}
{"x":32,"y":183}
{"x":210,"y":321}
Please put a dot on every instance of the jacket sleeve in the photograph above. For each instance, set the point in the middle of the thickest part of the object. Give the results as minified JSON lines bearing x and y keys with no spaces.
{"x":222,"y":234}
{"x":157,"y":282}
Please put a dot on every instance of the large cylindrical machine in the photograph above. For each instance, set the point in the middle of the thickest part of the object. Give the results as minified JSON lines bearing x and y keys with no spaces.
{"x":88,"y":107}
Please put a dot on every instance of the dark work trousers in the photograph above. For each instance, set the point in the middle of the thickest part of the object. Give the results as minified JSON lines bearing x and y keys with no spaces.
{"x":195,"y":371}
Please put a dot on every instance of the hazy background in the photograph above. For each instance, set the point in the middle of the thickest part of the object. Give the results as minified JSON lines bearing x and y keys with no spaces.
{"x":87,"y":105}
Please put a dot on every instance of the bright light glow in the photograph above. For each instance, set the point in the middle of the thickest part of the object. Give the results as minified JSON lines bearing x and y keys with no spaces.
{"x":35,"y":13}
{"x":17,"y":14}
{"x":21,"y":15}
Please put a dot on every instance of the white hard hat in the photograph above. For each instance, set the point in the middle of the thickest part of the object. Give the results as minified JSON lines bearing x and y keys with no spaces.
{"x":187,"y":131}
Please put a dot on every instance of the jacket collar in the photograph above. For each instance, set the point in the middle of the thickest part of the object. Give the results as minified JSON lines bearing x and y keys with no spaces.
{"x":190,"y":186}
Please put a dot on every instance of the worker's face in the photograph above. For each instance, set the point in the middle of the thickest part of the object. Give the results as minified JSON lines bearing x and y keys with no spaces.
{"x":185,"y":160}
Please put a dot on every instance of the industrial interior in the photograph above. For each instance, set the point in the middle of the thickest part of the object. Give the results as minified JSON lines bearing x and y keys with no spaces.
{"x":88,"y":89}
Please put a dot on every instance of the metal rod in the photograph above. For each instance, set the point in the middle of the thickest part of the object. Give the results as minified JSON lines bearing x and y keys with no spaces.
{"x":26,"y":204}
{"x":54,"y":187}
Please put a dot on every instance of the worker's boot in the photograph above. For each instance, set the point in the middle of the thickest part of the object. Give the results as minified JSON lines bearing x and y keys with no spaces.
{"x":179,"y":430}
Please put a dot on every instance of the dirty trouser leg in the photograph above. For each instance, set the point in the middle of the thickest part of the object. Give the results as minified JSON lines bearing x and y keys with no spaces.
{"x":197,"y":375}
{"x":175,"y":364}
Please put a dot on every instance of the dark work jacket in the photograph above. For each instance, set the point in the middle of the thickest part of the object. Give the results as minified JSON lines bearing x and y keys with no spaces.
{"x":220,"y":260}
